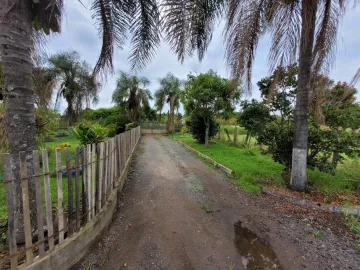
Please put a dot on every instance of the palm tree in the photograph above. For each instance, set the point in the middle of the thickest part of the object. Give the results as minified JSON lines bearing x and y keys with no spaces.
{"x":23,"y":25}
{"x":170,"y":88}
{"x":130,"y":90}
{"x":303,"y":31}
{"x":159,"y":102}
{"x":77,"y":85}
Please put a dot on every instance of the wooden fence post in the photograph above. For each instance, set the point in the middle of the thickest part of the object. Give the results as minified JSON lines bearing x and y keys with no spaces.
{"x":100,"y":174}
{"x":77,"y":187}
{"x":11,"y":213}
{"x":93,"y":180}
{"x":26,"y":207}
{"x":39,"y":206}
{"x":48,"y":203}
{"x":106,"y":166}
{"x":84,"y":180}
{"x":70,"y":190}
{"x":88,"y":186}
{"x":60,"y":211}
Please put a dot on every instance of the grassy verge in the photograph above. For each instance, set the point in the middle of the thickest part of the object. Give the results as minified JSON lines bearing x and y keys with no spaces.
{"x":253,"y":170}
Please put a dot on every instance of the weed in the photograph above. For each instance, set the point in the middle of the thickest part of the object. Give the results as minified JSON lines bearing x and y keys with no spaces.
{"x":353,"y":222}
{"x":318,"y":234}
{"x":207,"y":210}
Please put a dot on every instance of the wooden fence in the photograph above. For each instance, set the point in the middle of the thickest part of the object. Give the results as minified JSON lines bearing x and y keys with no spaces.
{"x":91,"y":175}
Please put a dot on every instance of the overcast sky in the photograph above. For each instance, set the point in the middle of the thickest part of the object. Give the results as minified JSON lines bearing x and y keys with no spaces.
{"x":80,"y":34}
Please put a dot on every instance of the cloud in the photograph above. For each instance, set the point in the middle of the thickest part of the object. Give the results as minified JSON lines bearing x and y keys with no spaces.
{"x":79,"y":33}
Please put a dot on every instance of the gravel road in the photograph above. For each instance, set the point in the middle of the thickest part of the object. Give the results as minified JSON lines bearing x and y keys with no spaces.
{"x":176,"y":212}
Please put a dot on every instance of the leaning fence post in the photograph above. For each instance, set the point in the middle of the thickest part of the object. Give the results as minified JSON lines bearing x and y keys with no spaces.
{"x":26,"y":207}
{"x":49,"y":217}
{"x":11,"y":213}
{"x":60,"y":211}
{"x":39,"y":207}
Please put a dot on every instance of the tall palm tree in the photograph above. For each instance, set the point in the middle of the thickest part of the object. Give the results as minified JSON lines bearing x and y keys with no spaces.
{"x":77,"y":85}
{"x":159,"y":102}
{"x":132,"y":89}
{"x":170,"y":87}
{"x":23,"y":24}
{"x":303,"y":31}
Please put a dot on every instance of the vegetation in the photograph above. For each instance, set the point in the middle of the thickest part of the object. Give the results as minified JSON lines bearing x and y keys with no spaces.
{"x":130,"y":94}
{"x":170,"y":91}
{"x":89,"y":134}
{"x":77,"y":85}
{"x":206,"y":96}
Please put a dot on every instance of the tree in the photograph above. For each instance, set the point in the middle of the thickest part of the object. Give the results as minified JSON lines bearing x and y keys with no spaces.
{"x":77,"y":85}
{"x":208,"y":95}
{"x":305,"y":30}
{"x":170,"y":90}
{"x":274,"y":126}
{"x":23,"y":25}
{"x":159,"y":101}
{"x":130,"y":90}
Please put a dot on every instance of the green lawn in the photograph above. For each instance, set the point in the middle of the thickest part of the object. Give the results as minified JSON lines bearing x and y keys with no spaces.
{"x":253,"y":169}
{"x":52,"y":166}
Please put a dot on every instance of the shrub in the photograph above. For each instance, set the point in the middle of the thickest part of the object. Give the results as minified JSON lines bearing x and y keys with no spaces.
{"x":129,"y":126}
{"x":197,"y":128}
{"x":88,"y":134}
{"x":184,"y":129}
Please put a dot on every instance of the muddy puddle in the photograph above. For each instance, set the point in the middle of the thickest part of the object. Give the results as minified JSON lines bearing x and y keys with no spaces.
{"x":255,"y":253}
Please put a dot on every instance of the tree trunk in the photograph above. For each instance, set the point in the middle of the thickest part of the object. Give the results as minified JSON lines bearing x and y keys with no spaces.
{"x":172,"y":112}
{"x":299,"y":155}
{"x":235,"y":135}
{"x":15,"y":49}
{"x":207,"y":127}
{"x":160,"y":117}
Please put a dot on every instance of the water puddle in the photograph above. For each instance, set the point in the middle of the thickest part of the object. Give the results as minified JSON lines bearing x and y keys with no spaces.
{"x":255,"y":253}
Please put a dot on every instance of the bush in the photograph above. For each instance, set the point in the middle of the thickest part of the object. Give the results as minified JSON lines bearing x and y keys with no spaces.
{"x":184,"y":129}
{"x":197,"y":128}
{"x":88,"y":134}
{"x":129,"y":126}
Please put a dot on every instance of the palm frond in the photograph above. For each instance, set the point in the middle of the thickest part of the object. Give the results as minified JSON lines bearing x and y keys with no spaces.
{"x":356,"y":78}
{"x":146,"y":33}
{"x":244,"y":26}
{"x":285,"y":19}
{"x":189,"y":24}
{"x":112,"y":19}
{"x":329,"y":14}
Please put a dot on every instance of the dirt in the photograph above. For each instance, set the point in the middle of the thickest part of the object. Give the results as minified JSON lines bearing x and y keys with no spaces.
{"x":178,"y":213}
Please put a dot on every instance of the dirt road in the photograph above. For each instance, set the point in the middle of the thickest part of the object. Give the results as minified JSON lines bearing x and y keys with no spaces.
{"x":178,"y":213}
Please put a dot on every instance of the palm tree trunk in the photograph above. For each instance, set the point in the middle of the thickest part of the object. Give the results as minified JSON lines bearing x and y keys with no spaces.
{"x":15,"y":49}
{"x":172,"y":112}
{"x":299,"y":155}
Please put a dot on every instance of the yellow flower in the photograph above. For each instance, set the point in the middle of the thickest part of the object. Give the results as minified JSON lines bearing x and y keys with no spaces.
{"x":63,"y":145}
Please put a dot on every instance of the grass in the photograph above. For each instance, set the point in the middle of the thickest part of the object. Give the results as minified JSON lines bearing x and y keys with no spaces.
{"x":252,"y":170}
{"x":353,"y":223}
{"x":52,"y":167}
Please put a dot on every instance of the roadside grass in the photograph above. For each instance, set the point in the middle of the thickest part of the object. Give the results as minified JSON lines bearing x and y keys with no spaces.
{"x":252,"y":170}
{"x":52,"y":167}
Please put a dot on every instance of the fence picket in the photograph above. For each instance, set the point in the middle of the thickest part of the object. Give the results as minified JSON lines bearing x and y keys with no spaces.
{"x":83,"y":182}
{"x":113,"y":163}
{"x":70,"y":190}
{"x":100,"y":174}
{"x":49,"y":216}
{"x":122,"y":151}
{"x":88,"y":185}
{"x":93,"y":179}
{"x":11,"y":211}
{"x":77,"y":187}
{"x":60,"y":212}
{"x":26,"y":207}
{"x":119,"y":158}
{"x":106,"y":166}
{"x":39,"y":207}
